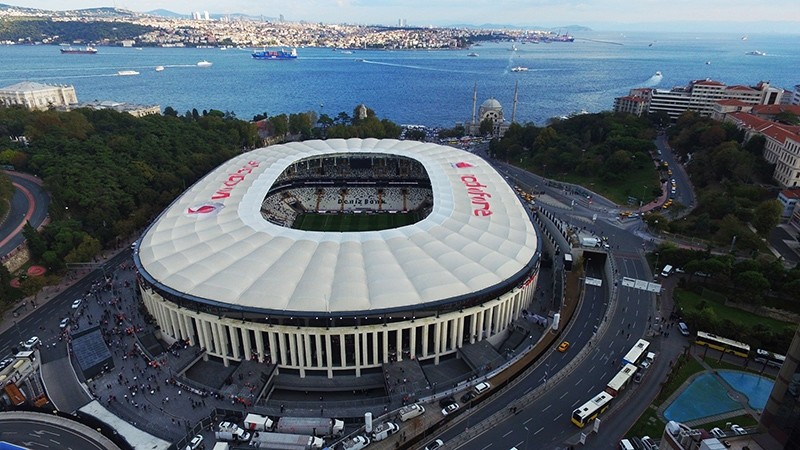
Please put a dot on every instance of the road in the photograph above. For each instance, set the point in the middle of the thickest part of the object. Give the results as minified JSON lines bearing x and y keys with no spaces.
{"x":545,"y":422}
{"x":43,"y":431}
{"x":29,"y":204}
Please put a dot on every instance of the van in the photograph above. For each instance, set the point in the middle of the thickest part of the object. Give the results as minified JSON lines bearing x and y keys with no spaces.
{"x":411,"y":411}
{"x":684,"y":329}
{"x":625,"y":445}
{"x":666,"y":271}
{"x":649,"y":444}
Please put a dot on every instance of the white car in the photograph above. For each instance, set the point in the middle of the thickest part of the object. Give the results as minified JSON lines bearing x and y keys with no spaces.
{"x":434,"y":445}
{"x":77,"y":303}
{"x":195,"y":443}
{"x":449,"y":409}
{"x":64,"y":323}
{"x":738,"y":430}
{"x":32,"y":343}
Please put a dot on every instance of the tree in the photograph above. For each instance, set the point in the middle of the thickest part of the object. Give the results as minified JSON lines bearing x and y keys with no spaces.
{"x":753,"y":285}
{"x":486,"y":127}
{"x":767,"y":216}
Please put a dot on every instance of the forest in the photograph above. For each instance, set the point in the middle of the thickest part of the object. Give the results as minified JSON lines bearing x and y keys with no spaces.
{"x":33,"y":30}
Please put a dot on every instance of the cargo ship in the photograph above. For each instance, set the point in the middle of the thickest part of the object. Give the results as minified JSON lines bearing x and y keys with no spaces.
{"x":277,"y":54}
{"x":89,"y":50}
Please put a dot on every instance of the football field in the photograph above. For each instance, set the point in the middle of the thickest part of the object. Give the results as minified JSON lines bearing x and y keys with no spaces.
{"x":353,"y":222}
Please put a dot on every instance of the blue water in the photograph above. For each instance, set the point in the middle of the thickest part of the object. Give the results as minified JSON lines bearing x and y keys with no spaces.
{"x":425,"y":87}
{"x":756,"y":388}
{"x":706,"y":395}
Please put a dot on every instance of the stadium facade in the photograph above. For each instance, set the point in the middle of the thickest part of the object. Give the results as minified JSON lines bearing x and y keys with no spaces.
{"x":225,"y":268}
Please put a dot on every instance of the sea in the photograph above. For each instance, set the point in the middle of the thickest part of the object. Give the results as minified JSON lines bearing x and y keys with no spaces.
{"x":425,"y":87}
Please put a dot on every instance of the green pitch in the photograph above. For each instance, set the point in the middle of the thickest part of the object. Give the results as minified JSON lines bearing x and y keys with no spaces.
{"x":353,"y":222}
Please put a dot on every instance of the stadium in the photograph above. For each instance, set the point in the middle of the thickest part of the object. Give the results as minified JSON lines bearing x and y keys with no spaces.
{"x":336,"y":257}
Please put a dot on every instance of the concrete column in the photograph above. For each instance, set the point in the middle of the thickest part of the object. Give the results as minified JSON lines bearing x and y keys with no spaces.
{"x":399,"y":332}
{"x":282,"y":347}
{"x":223,"y":339}
{"x":481,"y":324}
{"x":293,"y":349}
{"x":307,"y":342}
{"x":489,"y":321}
{"x":259,"y":335}
{"x":329,"y":355}
{"x":343,"y":351}
{"x":454,"y":337}
{"x":425,"y":340}
{"x":460,"y":332}
{"x":473,"y":326}
{"x":413,"y":349}
{"x":216,"y":340}
{"x":233,"y":333}
{"x":246,"y":343}
{"x":375,"y":358}
{"x":357,"y":352}
{"x":274,"y":348}
{"x":318,"y":342}
{"x":437,"y":344}
{"x":385,"y":339}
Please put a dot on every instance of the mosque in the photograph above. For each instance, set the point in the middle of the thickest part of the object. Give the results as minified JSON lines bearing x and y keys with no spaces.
{"x":490,"y":109}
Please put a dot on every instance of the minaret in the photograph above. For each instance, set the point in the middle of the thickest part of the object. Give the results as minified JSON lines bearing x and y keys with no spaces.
{"x":514,"y":106}
{"x":474,"y":102}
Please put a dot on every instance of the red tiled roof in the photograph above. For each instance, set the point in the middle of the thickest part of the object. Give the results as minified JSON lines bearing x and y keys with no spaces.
{"x":776,"y":109}
{"x":791,"y":193}
{"x":740,"y":87}
{"x":732,"y":102}
{"x":768,"y":128}
{"x":633,"y":98}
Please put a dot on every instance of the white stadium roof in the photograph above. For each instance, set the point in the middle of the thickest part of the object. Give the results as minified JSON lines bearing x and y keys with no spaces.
{"x":213,"y":245}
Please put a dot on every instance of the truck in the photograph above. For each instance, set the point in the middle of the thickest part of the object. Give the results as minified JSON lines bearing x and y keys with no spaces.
{"x":411,"y":411}
{"x":590,"y":242}
{"x":227,"y":431}
{"x":284,"y":441}
{"x":384,"y":430}
{"x":256,"y":422}
{"x":313,"y":426}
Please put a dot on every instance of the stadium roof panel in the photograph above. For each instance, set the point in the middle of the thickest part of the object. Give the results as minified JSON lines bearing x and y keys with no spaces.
{"x":213,"y":245}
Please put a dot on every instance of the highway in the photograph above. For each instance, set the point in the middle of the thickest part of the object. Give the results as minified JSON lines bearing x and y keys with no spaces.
{"x":28,"y":204}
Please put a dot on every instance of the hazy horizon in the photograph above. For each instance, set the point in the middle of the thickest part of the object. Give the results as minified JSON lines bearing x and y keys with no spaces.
{"x":737,"y":16}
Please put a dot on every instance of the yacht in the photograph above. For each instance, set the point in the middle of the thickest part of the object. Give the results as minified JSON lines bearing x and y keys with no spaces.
{"x":204,"y":63}
{"x":658,"y":73}
{"x":159,"y":68}
{"x":127,"y":72}
{"x":756,"y":53}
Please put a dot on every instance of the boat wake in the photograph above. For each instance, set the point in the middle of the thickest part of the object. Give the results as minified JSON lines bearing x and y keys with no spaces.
{"x":409,"y":66}
{"x":653,"y":81}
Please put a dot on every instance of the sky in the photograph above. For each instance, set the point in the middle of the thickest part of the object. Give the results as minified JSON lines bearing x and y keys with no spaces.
{"x":751,"y":16}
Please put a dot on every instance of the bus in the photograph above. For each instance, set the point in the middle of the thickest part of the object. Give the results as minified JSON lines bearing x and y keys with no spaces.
{"x":621,"y":379}
{"x":591,"y":409}
{"x":722,"y":344}
{"x":636,"y":352}
{"x":769,"y":358}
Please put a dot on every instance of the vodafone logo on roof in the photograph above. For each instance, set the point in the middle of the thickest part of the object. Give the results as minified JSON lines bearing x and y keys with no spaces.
{"x":462,"y":165}
{"x":207,"y":209}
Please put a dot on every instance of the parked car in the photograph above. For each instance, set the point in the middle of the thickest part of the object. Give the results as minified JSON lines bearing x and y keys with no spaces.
{"x":446,"y":401}
{"x":64,"y":323}
{"x":77,"y":303}
{"x":449,"y":409}
{"x":196,"y":443}
{"x":468,"y":396}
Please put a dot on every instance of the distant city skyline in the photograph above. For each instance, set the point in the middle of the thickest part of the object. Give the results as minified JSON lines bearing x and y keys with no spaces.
{"x":678,"y":15}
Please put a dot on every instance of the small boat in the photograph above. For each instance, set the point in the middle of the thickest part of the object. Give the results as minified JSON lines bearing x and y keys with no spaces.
{"x":127,"y":72}
{"x":513,"y":48}
{"x":744,"y":38}
{"x":756,"y":53}
{"x":347,"y":52}
{"x":519,"y":69}
{"x":88,"y":50}
{"x":658,"y":73}
{"x":159,"y":68}
{"x":473,"y":54}
{"x":708,"y":63}
{"x":204,"y":63}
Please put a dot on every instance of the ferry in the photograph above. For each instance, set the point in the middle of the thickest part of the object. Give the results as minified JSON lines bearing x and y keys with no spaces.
{"x":519,"y":69}
{"x":275,"y":55}
{"x":88,"y":50}
{"x":127,"y":72}
{"x":756,"y":53}
{"x":204,"y":63}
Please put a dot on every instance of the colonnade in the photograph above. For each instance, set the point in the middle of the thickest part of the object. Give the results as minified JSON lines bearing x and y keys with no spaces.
{"x":346,"y":350}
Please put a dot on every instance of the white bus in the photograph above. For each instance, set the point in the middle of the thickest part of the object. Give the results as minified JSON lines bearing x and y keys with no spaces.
{"x":591,"y":409}
{"x":621,"y":379}
{"x":636,"y":353}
